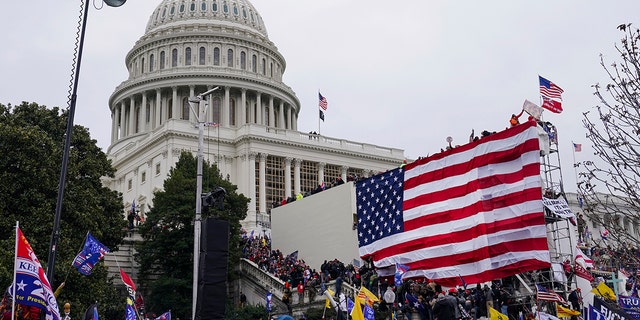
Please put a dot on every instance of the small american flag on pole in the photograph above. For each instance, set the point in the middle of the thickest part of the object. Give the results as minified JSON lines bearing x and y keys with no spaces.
{"x":549,"y":89}
{"x":323,"y":101}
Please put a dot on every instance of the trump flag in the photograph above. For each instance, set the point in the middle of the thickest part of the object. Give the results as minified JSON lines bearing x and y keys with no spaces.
{"x":91,"y":253}
{"x":472,"y":212}
{"x":32,"y":287}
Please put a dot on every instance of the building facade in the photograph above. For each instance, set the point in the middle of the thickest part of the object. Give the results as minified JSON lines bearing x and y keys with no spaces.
{"x":190,"y":47}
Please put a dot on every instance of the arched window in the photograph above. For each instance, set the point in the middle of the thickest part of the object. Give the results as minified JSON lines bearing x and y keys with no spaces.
{"x":203,"y":6}
{"x":164,"y":12}
{"x":185,"y":109}
{"x":174,"y":58}
{"x":162,"y":57}
{"x":264,"y":66}
{"x":215,"y":109}
{"x":142,"y":66}
{"x":193,"y":6}
{"x":214,"y":6}
{"x":225,"y":7}
{"x":216,"y":56}
{"x":254,"y":63}
{"x":271,"y":69}
{"x":172,"y":11}
{"x":202,"y":56}
{"x":187,"y":56}
{"x":243,"y":60}
{"x":148,"y":113}
{"x":230,"y":58}
{"x":235,"y":9}
{"x":244,"y":12}
{"x":182,"y":8}
{"x":151,"y":62}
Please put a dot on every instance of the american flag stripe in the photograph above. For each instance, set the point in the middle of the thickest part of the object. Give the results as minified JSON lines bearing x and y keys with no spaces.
{"x":549,"y":89}
{"x":323,"y":102}
{"x":474,"y":211}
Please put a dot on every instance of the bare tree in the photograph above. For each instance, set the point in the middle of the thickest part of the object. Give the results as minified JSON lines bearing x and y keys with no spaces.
{"x":610,"y":188}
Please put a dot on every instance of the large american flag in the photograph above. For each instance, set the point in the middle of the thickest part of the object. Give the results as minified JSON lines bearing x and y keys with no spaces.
{"x":474,"y":212}
{"x":549,"y":89}
{"x":323,"y":101}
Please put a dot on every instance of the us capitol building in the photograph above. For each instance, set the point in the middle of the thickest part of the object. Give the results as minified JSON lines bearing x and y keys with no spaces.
{"x":192,"y":46}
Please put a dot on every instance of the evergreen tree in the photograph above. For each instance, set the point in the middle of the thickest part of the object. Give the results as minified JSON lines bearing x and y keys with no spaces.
{"x":31,"y":143}
{"x":166,"y":254}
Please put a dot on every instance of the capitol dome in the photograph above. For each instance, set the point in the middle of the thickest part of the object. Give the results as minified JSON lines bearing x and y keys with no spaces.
{"x":190,"y":47}
{"x":238,"y":13}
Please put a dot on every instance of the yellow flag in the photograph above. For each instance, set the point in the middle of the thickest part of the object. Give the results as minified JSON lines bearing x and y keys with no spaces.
{"x":356,"y":312}
{"x":327,"y":302}
{"x":604,"y":291}
{"x":497,"y":315}
{"x":366,"y":296}
{"x":566,"y":312}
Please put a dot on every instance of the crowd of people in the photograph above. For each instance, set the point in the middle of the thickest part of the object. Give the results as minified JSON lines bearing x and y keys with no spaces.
{"x":425,"y":298}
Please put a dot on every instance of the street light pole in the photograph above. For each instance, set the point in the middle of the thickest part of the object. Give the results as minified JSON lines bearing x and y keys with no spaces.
{"x":201,"y":104}
{"x":55,"y":234}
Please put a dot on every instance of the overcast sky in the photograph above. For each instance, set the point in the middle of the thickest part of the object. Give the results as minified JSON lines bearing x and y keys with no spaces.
{"x":403,"y":74}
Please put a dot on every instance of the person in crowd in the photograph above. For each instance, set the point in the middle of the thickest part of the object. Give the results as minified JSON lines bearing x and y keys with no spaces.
{"x":443,"y":309}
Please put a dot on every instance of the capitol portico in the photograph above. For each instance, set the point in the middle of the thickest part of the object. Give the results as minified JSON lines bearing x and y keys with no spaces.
{"x":192,"y":46}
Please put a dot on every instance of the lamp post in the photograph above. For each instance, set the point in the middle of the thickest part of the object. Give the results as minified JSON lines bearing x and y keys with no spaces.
{"x":199,"y":107}
{"x":55,"y":235}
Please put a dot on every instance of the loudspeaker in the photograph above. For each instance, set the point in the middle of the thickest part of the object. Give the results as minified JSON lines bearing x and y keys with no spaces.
{"x":212,"y":274}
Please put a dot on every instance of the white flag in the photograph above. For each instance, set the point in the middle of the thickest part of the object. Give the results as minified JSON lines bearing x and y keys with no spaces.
{"x":532,"y":109}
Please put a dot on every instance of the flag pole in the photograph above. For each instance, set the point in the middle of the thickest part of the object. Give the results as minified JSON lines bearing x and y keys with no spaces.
{"x":15,"y":270}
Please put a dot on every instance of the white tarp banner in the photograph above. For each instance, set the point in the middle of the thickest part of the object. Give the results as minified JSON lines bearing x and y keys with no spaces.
{"x":559,"y":207}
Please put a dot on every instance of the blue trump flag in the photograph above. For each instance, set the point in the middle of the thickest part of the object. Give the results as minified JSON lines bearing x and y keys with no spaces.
{"x":368,"y":312}
{"x":269,"y":295}
{"x":401,"y":269}
{"x":91,"y":254}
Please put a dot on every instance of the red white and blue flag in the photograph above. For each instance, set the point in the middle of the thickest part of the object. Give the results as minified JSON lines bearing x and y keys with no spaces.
{"x":401,"y":269}
{"x":165,"y":316}
{"x":551,"y":95}
{"x":92,"y":252}
{"x":545,"y":294}
{"x":549,"y":89}
{"x":323,"y":102}
{"x":32,"y":287}
{"x":474,"y":211}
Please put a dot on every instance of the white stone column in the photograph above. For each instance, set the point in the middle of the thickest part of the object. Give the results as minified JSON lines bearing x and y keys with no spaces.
{"x":263,"y":185}
{"x":156,"y":110}
{"x":259,"y":108}
{"x":287,"y":177}
{"x":123,"y":120}
{"x":272,"y":113}
{"x":252,"y":183}
{"x":175,"y":109}
{"x":224,"y":114}
{"x":192,"y":93}
{"x":281,"y":123}
{"x":143,"y":110}
{"x":289,"y":112}
{"x":294,"y":121}
{"x":242,"y":109}
{"x":296,"y":175}
{"x":115,"y":113}
{"x":343,"y":173}
{"x":321,"y":166}
{"x":132,"y":116}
